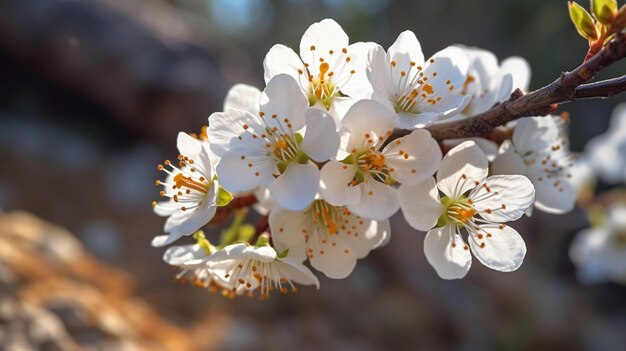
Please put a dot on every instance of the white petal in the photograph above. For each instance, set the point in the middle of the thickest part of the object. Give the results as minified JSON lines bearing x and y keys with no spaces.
{"x":379,"y":76}
{"x":340,"y":107}
{"x":163,"y":240}
{"x":189,"y":221}
{"x":325,"y":35}
{"x":281,"y":59}
{"x":243,"y":97}
{"x":378,"y":201}
{"x":321,"y":139}
{"x":535,"y":133}
{"x":414,"y":157}
{"x":367,"y":117}
{"x":334,"y":179}
{"x":166,"y":208}
{"x":420,"y":204}
{"x":187,"y":145}
{"x":503,"y":198}
{"x":289,"y":227}
{"x":448,"y":69}
{"x":241,"y":169}
{"x":446,"y":251}
{"x":503,"y":251}
{"x":297,"y":252}
{"x":460,"y":168}
{"x":519,"y":70}
{"x":371,"y":235}
{"x":293,"y":270}
{"x":357,"y":85}
{"x":406,"y":49}
{"x":283,"y":98}
{"x":331,"y":256}
{"x":410,"y":121}
{"x":181,"y":255}
{"x":556,"y":197}
{"x":487,"y":146}
{"x":508,"y":161}
{"x":225,"y":127}
{"x":296,"y":188}
{"x":483,"y":66}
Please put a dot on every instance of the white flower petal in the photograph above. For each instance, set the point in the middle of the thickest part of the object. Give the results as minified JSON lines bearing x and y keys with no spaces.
{"x":289,"y":227}
{"x":164,"y":240}
{"x":367,"y":117}
{"x":293,"y":270}
{"x":281,"y":59}
{"x":243,"y":97}
{"x":240,"y":170}
{"x":357,"y":85}
{"x":499,"y":247}
{"x":403,"y":51}
{"x":321,"y":139}
{"x":503,"y":198}
{"x":295,"y":189}
{"x":339,"y":108}
{"x":371,"y":235}
{"x":283,"y":103}
{"x":225,"y":127}
{"x":297,"y":252}
{"x":331,"y":256}
{"x":187,"y":145}
{"x":414,"y":157}
{"x":334,"y":179}
{"x":324,"y":36}
{"x":460,"y":168}
{"x":446,"y":251}
{"x":519,"y":69}
{"x":181,"y":255}
{"x":420,"y":204}
{"x":410,"y":121}
{"x":378,"y":201}
{"x":556,"y":197}
{"x":508,"y":161}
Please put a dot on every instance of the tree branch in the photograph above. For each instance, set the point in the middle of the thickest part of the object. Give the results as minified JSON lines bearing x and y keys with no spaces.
{"x":568,"y":87}
{"x":602,"y":89}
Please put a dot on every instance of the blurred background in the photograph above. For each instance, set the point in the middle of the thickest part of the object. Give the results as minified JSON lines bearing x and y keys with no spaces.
{"x":92,"y":95}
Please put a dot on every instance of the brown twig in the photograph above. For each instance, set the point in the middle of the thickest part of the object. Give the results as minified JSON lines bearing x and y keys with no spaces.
{"x":568,"y":87}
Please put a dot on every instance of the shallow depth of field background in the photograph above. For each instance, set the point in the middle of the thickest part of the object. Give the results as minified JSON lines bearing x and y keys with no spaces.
{"x":93,"y":93}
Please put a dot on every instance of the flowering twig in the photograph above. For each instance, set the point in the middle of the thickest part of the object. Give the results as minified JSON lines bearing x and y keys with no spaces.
{"x":568,"y":87}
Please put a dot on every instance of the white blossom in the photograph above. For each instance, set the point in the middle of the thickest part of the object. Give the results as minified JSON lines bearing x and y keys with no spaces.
{"x":330,"y":72}
{"x":489,"y":82}
{"x":607,"y":152}
{"x":474,"y":202}
{"x":191,"y":191}
{"x":269,"y":149}
{"x":362,"y":176}
{"x":331,"y":237}
{"x":539,"y":150}
{"x":418,"y":92}
{"x":600,"y":253}
{"x":247,"y":269}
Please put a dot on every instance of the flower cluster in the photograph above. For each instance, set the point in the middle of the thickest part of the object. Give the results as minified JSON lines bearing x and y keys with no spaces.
{"x":318,"y":152}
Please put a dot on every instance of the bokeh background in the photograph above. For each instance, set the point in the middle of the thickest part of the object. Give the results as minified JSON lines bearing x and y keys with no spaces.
{"x":92,"y":95}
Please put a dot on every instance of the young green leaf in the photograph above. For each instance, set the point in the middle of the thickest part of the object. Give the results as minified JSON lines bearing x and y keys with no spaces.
{"x":604,"y":10}
{"x":582,"y":21}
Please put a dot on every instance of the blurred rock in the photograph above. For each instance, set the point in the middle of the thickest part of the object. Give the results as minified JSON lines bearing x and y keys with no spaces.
{"x":55,"y":296}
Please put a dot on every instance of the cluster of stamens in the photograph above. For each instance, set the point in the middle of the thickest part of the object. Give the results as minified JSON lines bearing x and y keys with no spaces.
{"x":253,"y":275}
{"x":322,"y":83}
{"x":553,"y":166}
{"x":413,"y":91}
{"x":189,"y":185}
{"x":462,"y":212}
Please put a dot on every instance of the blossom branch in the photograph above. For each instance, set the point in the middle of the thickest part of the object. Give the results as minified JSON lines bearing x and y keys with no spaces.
{"x":601,"y":89}
{"x":568,"y":87}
